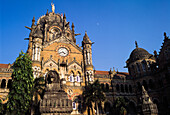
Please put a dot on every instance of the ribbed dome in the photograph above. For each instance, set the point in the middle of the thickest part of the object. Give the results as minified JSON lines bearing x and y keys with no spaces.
{"x":138,"y":54}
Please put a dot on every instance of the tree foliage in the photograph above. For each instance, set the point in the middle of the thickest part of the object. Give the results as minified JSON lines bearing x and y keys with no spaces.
{"x":38,"y":90}
{"x":2,"y":108}
{"x":20,"y":95}
{"x":93,"y":93}
{"x":120,"y":106}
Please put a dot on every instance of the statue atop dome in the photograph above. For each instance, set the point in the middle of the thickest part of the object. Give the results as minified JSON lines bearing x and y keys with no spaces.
{"x":53,"y":7}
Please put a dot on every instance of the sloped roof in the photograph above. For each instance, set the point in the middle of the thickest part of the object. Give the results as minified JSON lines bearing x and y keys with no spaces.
{"x":102,"y":72}
{"x":3,"y":65}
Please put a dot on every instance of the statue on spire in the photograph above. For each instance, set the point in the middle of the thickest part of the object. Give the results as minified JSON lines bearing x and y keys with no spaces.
{"x":53,"y":7}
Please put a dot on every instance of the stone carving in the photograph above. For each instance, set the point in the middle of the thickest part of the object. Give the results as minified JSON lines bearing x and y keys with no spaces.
{"x":55,"y":100}
{"x":53,"y":7}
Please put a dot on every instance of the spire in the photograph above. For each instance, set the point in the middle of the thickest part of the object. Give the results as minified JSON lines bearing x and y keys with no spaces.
{"x":64,"y":17}
{"x":136,"y":44}
{"x":73,"y":32}
{"x":47,"y":12}
{"x":33,"y":21}
{"x":165,"y":36}
{"x":72,"y":27}
{"x":86,"y":38}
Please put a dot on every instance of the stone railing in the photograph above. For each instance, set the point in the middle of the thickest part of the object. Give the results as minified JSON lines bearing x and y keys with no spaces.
{"x":6,"y":70}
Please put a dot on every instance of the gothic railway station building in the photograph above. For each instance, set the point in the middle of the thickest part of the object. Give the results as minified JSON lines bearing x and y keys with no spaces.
{"x":67,"y":68}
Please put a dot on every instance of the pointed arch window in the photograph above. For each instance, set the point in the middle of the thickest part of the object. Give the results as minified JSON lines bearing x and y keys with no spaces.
{"x":71,"y":78}
{"x":3,"y":83}
{"x":143,"y":66}
{"x":138,"y":67}
{"x":78,"y":77}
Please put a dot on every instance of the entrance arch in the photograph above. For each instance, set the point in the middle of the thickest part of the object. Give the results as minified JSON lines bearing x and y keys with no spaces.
{"x":52,"y":77}
{"x":131,"y":108}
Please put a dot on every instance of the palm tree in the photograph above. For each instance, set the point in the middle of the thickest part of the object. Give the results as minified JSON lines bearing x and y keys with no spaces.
{"x":93,"y":93}
{"x":38,"y":88}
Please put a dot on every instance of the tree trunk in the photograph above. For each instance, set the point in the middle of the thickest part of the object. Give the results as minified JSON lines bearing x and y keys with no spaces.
{"x":97,"y":108}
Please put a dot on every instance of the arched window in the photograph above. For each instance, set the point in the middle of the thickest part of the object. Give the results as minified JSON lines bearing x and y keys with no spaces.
{"x":3,"y":83}
{"x":151,"y":84}
{"x":139,"y":86}
{"x":138,"y":67}
{"x":122,"y":88}
{"x":145,"y":85}
{"x":143,"y":66}
{"x":74,"y":105}
{"x":71,"y":78}
{"x":107,"y":87}
{"x":102,"y":85}
{"x":126,"y":89}
{"x":133,"y":70}
{"x":9,"y":83}
{"x":117,"y":88}
{"x":148,"y":65}
{"x":78,"y":77}
{"x":130,"y":88}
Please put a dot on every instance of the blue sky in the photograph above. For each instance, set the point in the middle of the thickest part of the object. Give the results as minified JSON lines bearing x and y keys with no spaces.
{"x":113,"y":25}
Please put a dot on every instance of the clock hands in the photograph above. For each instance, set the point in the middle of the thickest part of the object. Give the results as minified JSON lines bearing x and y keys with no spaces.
{"x":63,"y":51}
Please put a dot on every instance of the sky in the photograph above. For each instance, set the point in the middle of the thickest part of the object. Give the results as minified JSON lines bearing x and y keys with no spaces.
{"x":114,"y":26}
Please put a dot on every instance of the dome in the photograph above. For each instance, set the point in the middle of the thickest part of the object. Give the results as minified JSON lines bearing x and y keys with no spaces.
{"x":138,"y":54}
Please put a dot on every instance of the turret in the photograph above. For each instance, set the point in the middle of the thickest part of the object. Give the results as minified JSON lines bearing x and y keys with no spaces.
{"x":87,"y":54}
{"x":148,"y":107}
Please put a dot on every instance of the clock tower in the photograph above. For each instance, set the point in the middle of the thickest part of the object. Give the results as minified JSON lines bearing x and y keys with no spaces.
{"x":57,"y":58}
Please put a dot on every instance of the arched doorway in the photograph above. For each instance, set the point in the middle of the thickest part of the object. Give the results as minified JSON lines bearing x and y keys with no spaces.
{"x":107,"y":108}
{"x":52,"y":77}
{"x":131,"y":108}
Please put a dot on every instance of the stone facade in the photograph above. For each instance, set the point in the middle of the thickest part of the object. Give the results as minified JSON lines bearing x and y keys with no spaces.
{"x":67,"y":68}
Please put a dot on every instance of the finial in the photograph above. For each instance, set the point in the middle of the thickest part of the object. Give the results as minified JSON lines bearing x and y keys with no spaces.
{"x":113,"y":69}
{"x":64,"y":16}
{"x":165,"y":36}
{"x":47,"y":12}
{"x":33,"y":21}
{"x":53,"y":7}
{"x":155,"y":52}
{"x":72,"y":25}
{"x":136,"y":44}
{"x":85,"y":34}
{"x":117,"y":70}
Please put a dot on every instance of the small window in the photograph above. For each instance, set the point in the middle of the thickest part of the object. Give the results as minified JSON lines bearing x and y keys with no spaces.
{"x":138,"y":67}
{"x":71,"y":79}
{"x":117,"y":88}
{"x":3,"y":83}
{"x":143,"y":66}
{"x":78,"y":78}
{"x":74,"y":105}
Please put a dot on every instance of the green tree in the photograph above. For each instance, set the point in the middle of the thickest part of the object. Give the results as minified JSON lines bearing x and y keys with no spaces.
{"x":37,"y":92}
{"x":93,"y":93}
{"x":120,"y":106}
{"x":20,"y":95}
{"x":2,"y":108}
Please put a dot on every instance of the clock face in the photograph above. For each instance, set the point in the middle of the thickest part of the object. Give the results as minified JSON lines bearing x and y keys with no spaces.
{"x":62,"y":51}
